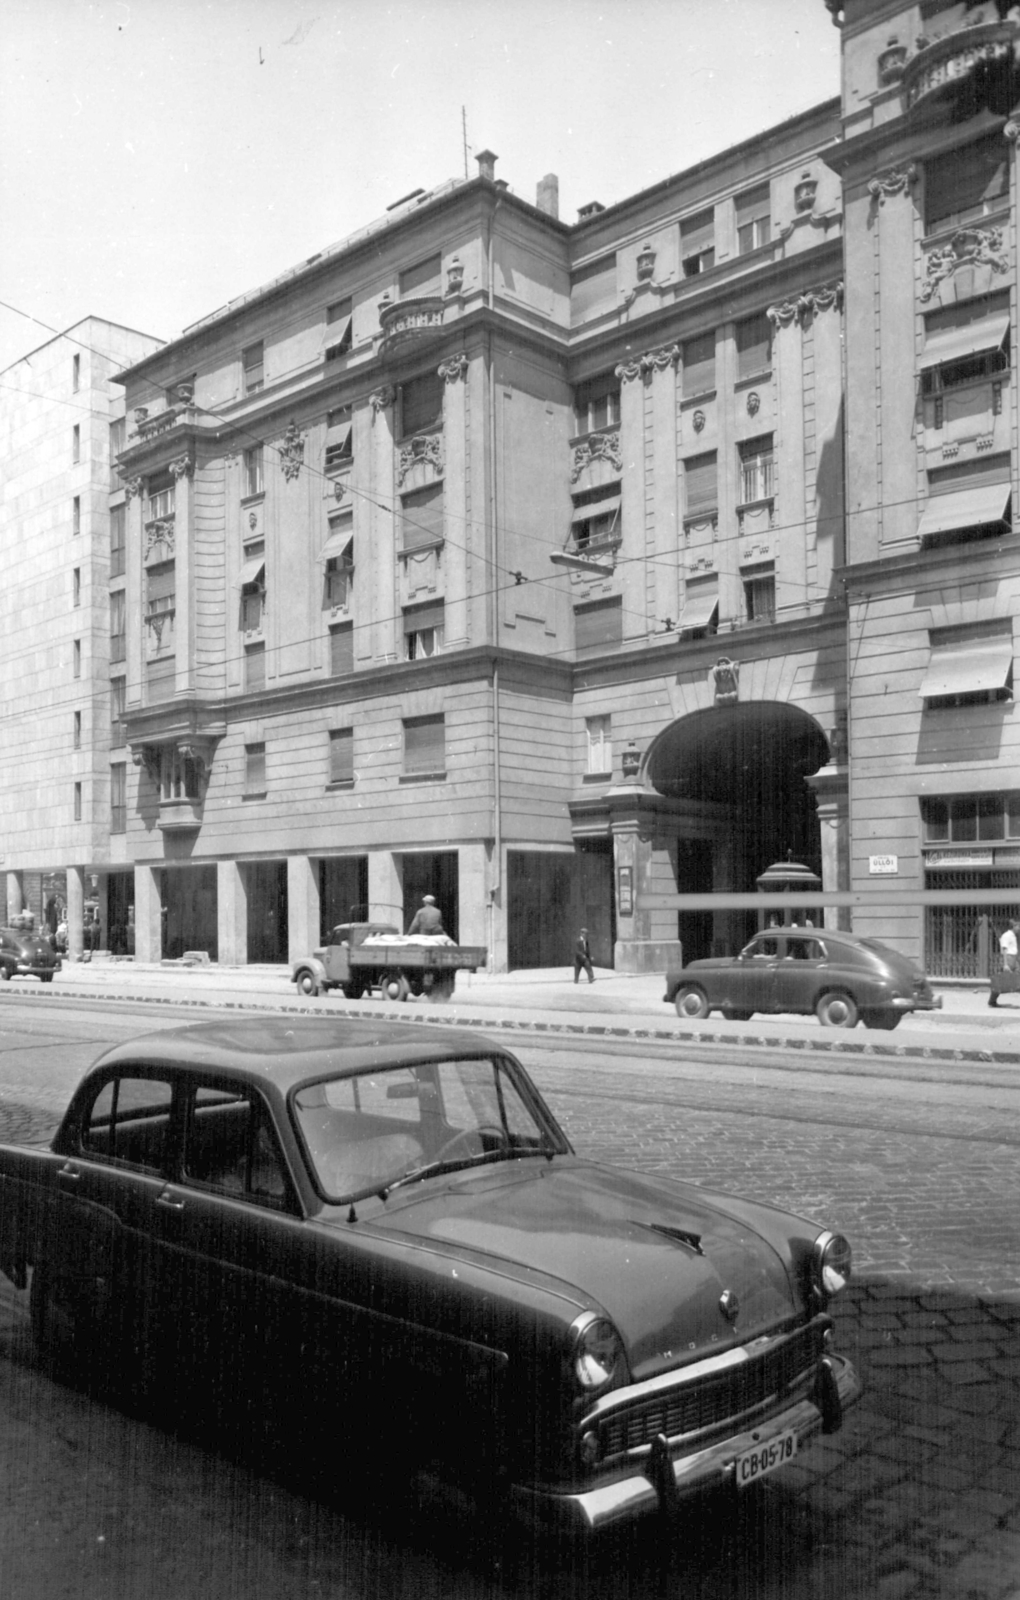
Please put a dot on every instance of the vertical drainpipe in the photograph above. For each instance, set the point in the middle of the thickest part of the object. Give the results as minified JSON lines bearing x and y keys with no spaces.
{"x":497,"y":798}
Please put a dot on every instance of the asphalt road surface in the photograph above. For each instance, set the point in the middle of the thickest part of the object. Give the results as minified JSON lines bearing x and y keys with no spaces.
{"x":918,"y":1496}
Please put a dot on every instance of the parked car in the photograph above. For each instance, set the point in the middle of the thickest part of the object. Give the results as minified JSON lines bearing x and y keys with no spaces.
{"x":388,"y":1221}
{"x":27,"y":955}
{"x":840,"y":978}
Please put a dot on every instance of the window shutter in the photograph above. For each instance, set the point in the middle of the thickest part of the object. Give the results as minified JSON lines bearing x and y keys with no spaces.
{"x":421,"y":403}
{"x":425,"y":744}
{"x":161,"y":580}
{"x":593,"y":288}
{"x":701,"y":482}
{"x":753,"y":203}
{"x":341,"y":755}
{"x":754,"y":345}
{"x":697,"y":233}
{"x":341,"y":649}
{"x":432,"y":615}
{"x":423,"y":278}
{"x":422,"y":517}
{"x":699,"y":364}
{"x":598,"y":625}
{"x":965,"y":180}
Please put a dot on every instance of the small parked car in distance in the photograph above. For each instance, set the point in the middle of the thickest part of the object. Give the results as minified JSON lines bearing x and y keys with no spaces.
{"x":27,"y":955}
{"x":842,"y":979}
{"x":387,"y":1225}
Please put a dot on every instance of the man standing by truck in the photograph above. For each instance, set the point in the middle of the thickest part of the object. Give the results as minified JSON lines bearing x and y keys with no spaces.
{"x":428,"y":919}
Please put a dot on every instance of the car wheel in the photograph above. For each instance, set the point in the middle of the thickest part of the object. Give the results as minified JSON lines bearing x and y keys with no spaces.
{"x":5,"y":974}
{"x":835,"y":1010}
{"x":353,"y":990}
{"x":736,"y":1016}
{"x":307,"y":982}
{"x":691,"y":1002}
{"x":46,"y":977}
{"x":395,"y":988}
{"x":886,"y":1020}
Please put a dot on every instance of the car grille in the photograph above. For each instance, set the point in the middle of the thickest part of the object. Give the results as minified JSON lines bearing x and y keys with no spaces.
{"x":709,"y":1402}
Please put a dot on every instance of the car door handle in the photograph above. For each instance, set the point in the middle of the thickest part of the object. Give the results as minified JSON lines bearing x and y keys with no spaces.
{"x":167,"y":1199}
{"x":69,"y":1173}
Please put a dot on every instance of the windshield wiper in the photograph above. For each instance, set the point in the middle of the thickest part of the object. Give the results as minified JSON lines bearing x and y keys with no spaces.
{"x":456,"y":1164}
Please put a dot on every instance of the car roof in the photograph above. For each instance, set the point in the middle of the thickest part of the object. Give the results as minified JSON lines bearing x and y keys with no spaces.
{"x":285,"y":1050}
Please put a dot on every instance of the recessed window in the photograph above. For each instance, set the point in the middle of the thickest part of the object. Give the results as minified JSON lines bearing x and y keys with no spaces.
{"x":423,"y":630}
{"x":118,"y":705}
{"x":162,"y":496}
{"x":339,"y":584}
{"x":118,"y":437}
{"x":754,"y":346}
{"x":699,"y":364}
{"x":76,"y":516}
{"x":425,"y":277}
{"x":118,"y":541}
{"x":967,"y":183}
{"x":76,"y":586}
{"x":76,"y":373}
{"x":252,"y":368}
{"x":599,"y":626}
{"x":595,"y":521}
{"x":254,"y":668}
{"x":339,"y":439}
{"x":118,"y":797}
{"x":425,"y":746}
{"x":593,"y":289}
{"x":77,"y":802}
{"x":254,"y":769}
{"x":422,"y":517}
{"x":118,"y":626}
{"x":77,"y":730}
{"x":160,"y":606}
{"x":76,"y":443}
{"x":341,"y":755}
{"x":254,"y":483}
{"x":701,"y":484}
{"x":597,"y":404}
{"x":76,"y":658}
{"x":338,"y":329}
{"x":757,"y":476}
{"x":760,"y":595}
{"x":697,"y":243}
{"x":341,"y":649}
{"x":598,"y":731}
{"x":421,"y":404}
{"x":753,"y":219}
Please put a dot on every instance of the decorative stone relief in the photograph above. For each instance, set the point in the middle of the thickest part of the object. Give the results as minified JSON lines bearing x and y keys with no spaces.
{"x":698,"y":421}
{"x":753,"y":403}
{"x":627,"y":371}
{"x":156,"y":623}
{"x":141,"y":415}
{"x":891,"y":62}
{"x":804,"y":193}
{"x":455,"y":276}
{"x":454,"y":369}
{"x":894,"y":181}
{"x":184,"y":393}
{"x":725,"y":680}
{"x":183,"y":467}
{"x":342,"y":487}
{"x":782,"y":316}
{"x":646,"y":264}
{"x":380,"y":398}
{"x":147,"y":756}
{"x":292,"y":452}
{"x":1012,"y":132}
{"x":597,"y":447}
{"x":424,"y":449}
{"x":969,"y":247}
{"x":660,"y":360}
{"x":826,"y":297}
{"x":159,"y":533}
{"x":253,"y":520}
{"x":133,"y":486}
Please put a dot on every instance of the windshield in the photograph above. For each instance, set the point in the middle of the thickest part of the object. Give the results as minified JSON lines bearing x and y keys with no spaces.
{"x":369,"y":1132}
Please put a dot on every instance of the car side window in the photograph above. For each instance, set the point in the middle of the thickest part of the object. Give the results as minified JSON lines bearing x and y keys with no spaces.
{"x":129,"y":1122}
{"x":229,"y":1147}
{"x":803,"y":949}
{"x":763,"y":946}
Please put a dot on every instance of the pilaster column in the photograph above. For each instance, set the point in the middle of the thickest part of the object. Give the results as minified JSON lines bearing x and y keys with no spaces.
{"x":473,"y":894}
{"x":15,"y":895}
{"x":632,"y":487}
{"x":832,"y":798}
{"x":75,"y":912}
{"x":385,"y":889}
{"x":134,"y":624}
{"x":385,"y":516}
{"x":184,"y":583}
{"x":148,"y":918}
{"x":455,"y":500}
{"x":303,"y":906}
{"x":232,"y":915}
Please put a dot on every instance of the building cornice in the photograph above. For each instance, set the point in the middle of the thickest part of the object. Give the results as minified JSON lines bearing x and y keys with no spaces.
{"x":908,"y":564}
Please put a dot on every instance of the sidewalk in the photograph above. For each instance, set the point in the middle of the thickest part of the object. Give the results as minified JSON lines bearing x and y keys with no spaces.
{"x":623,"y":1004}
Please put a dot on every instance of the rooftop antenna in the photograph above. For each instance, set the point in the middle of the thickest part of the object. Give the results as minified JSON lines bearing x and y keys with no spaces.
{"x":463,"y":129}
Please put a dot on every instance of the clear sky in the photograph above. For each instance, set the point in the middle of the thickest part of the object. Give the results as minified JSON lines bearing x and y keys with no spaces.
{"x":159,"y":157}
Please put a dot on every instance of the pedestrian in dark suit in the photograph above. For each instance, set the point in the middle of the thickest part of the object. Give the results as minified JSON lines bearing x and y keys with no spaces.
{"x":582,"y":957}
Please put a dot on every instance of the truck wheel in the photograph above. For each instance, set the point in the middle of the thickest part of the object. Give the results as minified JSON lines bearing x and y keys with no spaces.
{"x":307,"y":982}
{"x":395,"y":987}
{"x":354,"y":990}
{"x":442,"y":989}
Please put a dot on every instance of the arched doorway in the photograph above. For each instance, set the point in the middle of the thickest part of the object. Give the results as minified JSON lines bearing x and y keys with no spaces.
{"x":737,"y":776}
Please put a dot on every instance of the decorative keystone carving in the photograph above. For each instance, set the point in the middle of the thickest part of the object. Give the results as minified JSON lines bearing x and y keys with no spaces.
{"x":133,"y":486}
{"x":698,"y":421}
{"x":292,"y":452}
{"x":379,"y":399}
{"x":725,"y":676}
{"x":597,"y":447}
{"x":893,"y":181}
{"x":424,"y":449}
{"x":969,"y":247}
{"x":453,"y":370}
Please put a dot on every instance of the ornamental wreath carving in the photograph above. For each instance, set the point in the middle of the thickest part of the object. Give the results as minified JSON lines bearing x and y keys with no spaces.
{"x":450,"y":371}
{"x":895,"y":181}
{"x":424,"y":449}
{"x":292,"y":452}
{"x":651,"y":361}
{"x":627,"y":371}
{"x":826,"y":297}
{"x":970,"y":247}
{"x":598,"y":447}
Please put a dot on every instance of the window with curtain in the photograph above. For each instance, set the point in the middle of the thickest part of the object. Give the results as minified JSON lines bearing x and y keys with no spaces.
{"x":757,"y":475}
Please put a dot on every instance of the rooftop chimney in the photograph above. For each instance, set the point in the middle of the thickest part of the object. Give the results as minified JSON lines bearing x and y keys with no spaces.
{"x":592,"y":209}
{"x":487,"y":164}
{"x":547,"y":196}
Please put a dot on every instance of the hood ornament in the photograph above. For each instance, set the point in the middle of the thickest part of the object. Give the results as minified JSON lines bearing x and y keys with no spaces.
{"x":729,"y":1305}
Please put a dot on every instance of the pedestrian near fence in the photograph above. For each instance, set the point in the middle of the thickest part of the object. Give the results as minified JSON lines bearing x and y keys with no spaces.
{"x":582,"y":957}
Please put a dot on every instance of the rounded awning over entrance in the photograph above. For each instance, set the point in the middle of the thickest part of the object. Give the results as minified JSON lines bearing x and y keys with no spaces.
{"x":736,"y":752}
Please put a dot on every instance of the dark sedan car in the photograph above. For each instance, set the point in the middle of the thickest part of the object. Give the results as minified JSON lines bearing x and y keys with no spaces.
{"x":26,"y":955}
{"x":840,"y":978}
{"x":388,"y":1222}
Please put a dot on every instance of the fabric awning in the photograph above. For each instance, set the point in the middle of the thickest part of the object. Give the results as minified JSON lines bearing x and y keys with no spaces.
{"x":967,"y":667}
{"x":608,"y":507}
{"x":952,"y":344}
{"x":973,"y":507}
{"x":699,"y":611}
{"x":253,"y":571}
{"x":339,"y":541}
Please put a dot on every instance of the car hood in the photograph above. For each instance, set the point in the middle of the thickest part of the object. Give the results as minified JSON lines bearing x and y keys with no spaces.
{"x":655,"y":1255}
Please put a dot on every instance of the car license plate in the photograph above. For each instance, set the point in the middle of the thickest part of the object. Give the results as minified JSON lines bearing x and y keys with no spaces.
{"x":765,"y":1458}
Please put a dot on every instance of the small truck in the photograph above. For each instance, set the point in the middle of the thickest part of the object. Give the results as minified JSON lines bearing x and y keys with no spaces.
{"x":361,"y":956}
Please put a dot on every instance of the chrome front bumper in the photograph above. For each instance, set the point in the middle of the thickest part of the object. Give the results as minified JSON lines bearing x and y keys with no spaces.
{"x":638,"y":1494}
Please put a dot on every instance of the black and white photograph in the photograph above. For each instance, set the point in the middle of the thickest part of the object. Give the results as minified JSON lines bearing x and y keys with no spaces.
{"x":499,"y":502}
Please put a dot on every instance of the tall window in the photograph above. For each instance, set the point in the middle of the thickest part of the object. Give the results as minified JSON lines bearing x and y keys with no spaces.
{"x":162,"y":496}
{"x":118,"y":797}
{"x":423,"y":630}
{"x":76,"y":658}
{"x":76,"y":443}
{"x":760,"y":595}
{"x":340,"y":561}
{"x":254,"y":482}
{"x":701,"y":484}
{"x":757,"y":477}
{"x":421,"y":403}
{"x":118,"y":541}
{"x":421,"y":521}
{"x":341,"y":649}
{"x":118,"y":640}
{"x":425,"y":277}
{"x":77,"y":802}
{"x":697,"y":243}
{"x":254,"y":668}
{"x":699,"y":364}
{"x":160,"y":605}
{"x":338,"y":328}
{"x":753,"y":219}
{"x":597,"y":404}
{"x":964,"y":184}
{"x":341,"y":755}
{"x":76,"y":586}
{"x":339,"y":439}
{"x":118,"y":437}
{"x":77,"y":730}
{"x":600,"y":745}
{"x":76,"y":516}
{"x":252,"y":370}
{"x":118,"y":705}
{"x":254,"y":769}
{"x":253,"y":587}
{"x":754,"y":345}
{"x":425,"y":746}
{"x":76,"y":373}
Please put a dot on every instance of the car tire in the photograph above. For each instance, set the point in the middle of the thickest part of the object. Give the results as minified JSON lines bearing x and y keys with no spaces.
{"x":736,"y":1016}
{"x":307,"y":982}
{"x":691,"y":1002}
{"x":836,"y":1010}
{"x":885,"y":1020}
{"x":353,"y":990}
{"x":395,"y":988}
{"x":46,"y":977}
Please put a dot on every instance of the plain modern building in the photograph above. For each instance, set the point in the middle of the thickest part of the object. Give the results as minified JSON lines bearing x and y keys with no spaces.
{"x":580,"y":573}
{"x":62,"y":777}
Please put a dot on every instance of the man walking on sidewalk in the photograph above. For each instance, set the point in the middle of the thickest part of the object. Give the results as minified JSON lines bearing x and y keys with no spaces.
{"x":582,"y":957}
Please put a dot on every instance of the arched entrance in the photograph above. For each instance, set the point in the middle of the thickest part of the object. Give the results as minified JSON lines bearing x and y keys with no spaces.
{"x":736,"y":775}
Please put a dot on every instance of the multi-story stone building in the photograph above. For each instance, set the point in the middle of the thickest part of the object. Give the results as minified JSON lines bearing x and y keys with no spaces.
{"x":62,"y":798}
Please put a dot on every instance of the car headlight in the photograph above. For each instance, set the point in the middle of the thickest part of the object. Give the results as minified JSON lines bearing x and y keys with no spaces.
{"x":831,"y":1264}
{"x":599,"y":1359}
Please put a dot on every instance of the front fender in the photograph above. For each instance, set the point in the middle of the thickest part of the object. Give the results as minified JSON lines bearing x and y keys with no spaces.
{"x":310,"y":964}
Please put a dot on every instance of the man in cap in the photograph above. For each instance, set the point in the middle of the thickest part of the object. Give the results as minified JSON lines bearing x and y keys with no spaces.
{"x":429,"y":919}
{"x":582,"y":957}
